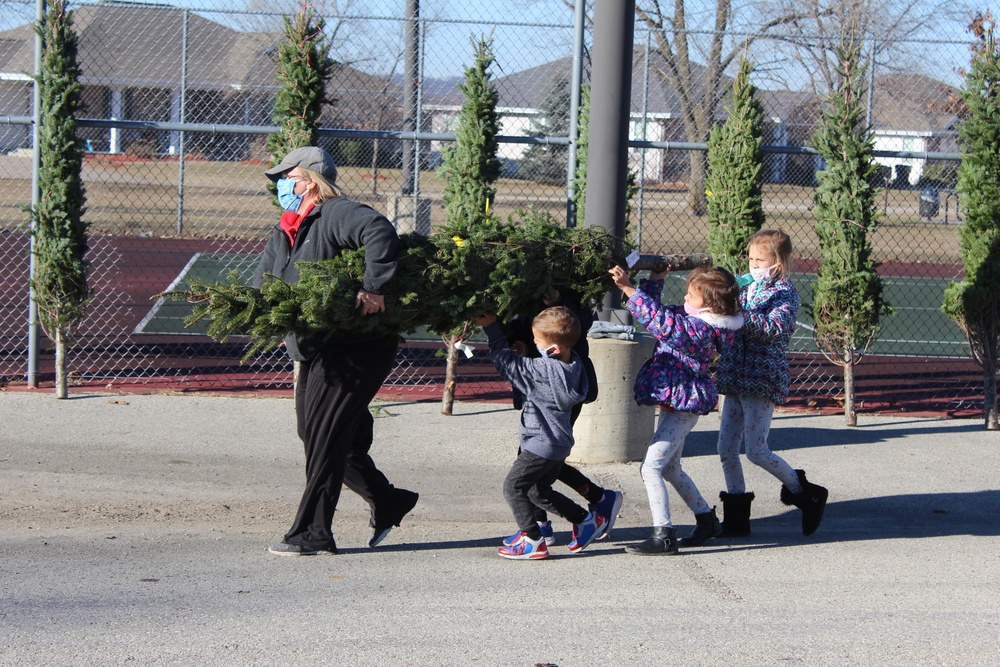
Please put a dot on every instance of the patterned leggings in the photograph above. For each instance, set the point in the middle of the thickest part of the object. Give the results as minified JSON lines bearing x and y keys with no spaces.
{"x":748,"y":419}
{"x":663,"y":464}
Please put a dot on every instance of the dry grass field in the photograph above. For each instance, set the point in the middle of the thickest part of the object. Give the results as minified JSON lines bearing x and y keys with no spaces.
{"x":228,"y":200}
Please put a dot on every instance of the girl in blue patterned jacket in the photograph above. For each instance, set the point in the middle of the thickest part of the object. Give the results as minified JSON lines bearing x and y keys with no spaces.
{"x":754,"y":376}
{"x":677,"y":380}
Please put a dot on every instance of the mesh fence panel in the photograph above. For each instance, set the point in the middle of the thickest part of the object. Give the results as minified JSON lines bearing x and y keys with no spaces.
{"x":188,"y":199}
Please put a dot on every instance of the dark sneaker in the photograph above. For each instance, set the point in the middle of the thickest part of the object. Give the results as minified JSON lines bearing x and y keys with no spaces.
{"x":547,"y":534}
{"x":525,"y":548}
{"x":285,"y":549}
{"x":608,"y":507}
{"x":391,"y":513}
{"x":586,"y":532}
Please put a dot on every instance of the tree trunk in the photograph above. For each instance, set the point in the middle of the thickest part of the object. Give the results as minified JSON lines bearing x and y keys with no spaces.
{"x":990,"y":396}
{"x":62,"y":381}
{"x":850,"y":416}
{"x":375,"y":168}
{"x":450,"y":375}
{"x":697,"y":202}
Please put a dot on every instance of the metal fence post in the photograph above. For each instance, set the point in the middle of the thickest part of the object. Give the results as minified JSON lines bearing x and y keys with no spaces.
{"x":183,"y":119}
{"x":36,"y":196}
{"x":574,"y":110}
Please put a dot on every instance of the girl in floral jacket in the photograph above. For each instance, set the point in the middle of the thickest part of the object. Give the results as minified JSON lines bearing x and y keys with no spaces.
{"x":753,"y":375}
{"x":677,"y":380}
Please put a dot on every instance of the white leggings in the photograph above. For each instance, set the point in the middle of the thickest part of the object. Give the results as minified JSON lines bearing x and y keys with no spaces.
{"x":748,"y":419}
{"x":663,"y":464}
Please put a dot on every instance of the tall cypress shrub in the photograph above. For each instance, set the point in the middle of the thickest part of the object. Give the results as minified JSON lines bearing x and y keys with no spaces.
{"x":974,"y":302}
{"x":470,"y":169}
{"x":471,"y":166}
{"x":60,"y":234}
{"x":733,"y":182}
{"x":582,"y":146}
{"x":304,"y":69}
{"x":848,"y":300}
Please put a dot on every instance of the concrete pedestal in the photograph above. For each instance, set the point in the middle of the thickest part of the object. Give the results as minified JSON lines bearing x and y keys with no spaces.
{"x":613,"y":429}
{"x":399,"y":210}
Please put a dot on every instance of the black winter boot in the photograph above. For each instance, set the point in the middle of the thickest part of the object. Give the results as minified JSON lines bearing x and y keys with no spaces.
{"x":735,"y":514}
{"x":663,"y":542}
{"x":708,"y":527}
{"x":812,"y":502}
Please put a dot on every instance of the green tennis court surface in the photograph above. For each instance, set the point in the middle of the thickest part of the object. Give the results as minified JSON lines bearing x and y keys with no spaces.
{"x":167,"y":316}
{"x":918,"y":327}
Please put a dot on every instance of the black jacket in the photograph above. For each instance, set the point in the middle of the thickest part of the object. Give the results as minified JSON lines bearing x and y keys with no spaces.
{"x":333,"y":226}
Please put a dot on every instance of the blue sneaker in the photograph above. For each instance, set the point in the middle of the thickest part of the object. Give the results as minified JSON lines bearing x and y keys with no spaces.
{"x":525,"y":548}
{"x":584,"y":533}
{"x":608,"y":507}
{"x":546,"y":528}
{"x":547,"y":534}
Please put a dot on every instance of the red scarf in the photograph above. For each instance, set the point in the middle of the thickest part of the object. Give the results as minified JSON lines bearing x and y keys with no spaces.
{"x":290,"y":223}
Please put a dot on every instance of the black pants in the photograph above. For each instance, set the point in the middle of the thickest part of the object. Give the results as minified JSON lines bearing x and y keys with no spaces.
{"x":528,"y":486}
{"x":573,"y":478}
{"x":331,"y":405}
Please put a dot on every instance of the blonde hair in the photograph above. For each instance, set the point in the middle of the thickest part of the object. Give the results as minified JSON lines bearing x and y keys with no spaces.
{"x":559,"y":325}
{"x":324,"y":188}
{"x":778,"y":245}
{"x":718,"y":288}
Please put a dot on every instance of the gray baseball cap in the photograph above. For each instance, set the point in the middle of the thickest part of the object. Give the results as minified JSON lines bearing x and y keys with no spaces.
{"x":313,"y":158}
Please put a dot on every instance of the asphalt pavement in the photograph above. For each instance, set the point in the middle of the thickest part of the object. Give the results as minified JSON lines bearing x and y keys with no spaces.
{"x":134,"y":530}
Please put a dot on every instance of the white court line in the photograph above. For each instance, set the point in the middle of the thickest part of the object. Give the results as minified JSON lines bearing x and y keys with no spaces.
{"x":159,"y":302}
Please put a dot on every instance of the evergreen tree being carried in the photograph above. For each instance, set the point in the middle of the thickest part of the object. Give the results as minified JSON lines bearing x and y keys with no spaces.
{"x":304,"y":68}
{"x":733,"y":182}
{"x":974,"y":303}
{"x":847,"y":301}
{"x":60,"y":234}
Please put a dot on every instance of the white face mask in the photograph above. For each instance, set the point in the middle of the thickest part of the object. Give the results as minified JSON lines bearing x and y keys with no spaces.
{"x":761,"y":274}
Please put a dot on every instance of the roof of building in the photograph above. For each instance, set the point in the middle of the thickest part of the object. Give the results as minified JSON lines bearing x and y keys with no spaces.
{"x":132,"y":44}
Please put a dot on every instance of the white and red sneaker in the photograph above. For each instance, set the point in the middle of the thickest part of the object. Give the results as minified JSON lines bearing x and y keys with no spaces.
{"x":525,"y":548}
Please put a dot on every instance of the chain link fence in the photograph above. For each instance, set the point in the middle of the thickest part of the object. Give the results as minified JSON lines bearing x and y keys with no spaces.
{"x":177,"y":105}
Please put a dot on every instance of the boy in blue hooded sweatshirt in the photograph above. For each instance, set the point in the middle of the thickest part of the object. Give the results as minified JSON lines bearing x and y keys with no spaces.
{"x":552,"y":385}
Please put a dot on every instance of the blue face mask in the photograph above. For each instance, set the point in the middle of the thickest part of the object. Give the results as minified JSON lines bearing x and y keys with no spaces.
{"x":546,"y":352}
{"x":286,"y":194}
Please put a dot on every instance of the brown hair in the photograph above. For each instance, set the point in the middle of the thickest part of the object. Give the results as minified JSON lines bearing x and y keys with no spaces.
{"x":718,"y":289}
{"x":559,"y":325}
{"x":778,"y":245}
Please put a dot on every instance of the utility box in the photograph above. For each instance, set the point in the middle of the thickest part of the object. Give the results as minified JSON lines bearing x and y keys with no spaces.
{"x":930,"y":203}
{"x":613,"y":429}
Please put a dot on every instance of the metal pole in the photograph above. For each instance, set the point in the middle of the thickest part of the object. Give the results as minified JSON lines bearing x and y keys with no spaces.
{"x":36,"y":197}
{"x":611,"y":87}
{"x":411,"y":53}
{"x":871,"y":87}
{"x":645,"y":137}
{"x":421,"y":32}
{"x":183,"y":117}
{"x":576,"y":83}
{"x":610,"y":100}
